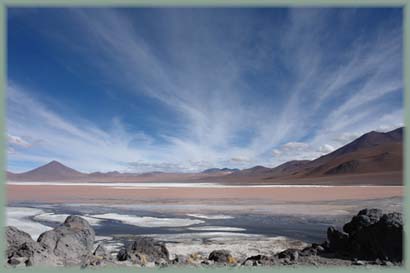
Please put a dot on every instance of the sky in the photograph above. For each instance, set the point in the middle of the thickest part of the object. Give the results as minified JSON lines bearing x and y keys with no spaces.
{"x":183,"y":90}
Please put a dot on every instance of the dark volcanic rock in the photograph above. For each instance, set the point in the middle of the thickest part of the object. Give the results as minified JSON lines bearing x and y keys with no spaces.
{"x":338,"y":241}
{"x":371,"y":236}
{"x":383,"y":239}
{"x":143,"y":250}
{"x":221,"y":256}
{"x":363,"y":219}
{"x":122,"y":255}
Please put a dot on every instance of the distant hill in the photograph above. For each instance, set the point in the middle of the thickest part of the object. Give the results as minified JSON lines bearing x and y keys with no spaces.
{"x":49,"y":172}
{"x":371,"y":153}
{"x":218,"y":170}
{"x":254,"y":171}
{"x":289,"y":168}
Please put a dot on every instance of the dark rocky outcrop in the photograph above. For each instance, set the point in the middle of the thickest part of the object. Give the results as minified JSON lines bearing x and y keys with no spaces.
{"x":370,"y":235}
{"x":364,"y":218}
{"x":338,"y":240}
{"x":370,"y":238}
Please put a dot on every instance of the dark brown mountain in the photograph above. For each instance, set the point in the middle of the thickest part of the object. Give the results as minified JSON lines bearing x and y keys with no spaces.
{"x":53,"y":170}
{"x":289,"y":168}
{"x":368,"y":140}
{"x":372,"y":152}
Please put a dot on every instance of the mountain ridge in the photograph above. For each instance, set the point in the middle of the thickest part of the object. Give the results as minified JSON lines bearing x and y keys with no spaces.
{"x":373,"y":152}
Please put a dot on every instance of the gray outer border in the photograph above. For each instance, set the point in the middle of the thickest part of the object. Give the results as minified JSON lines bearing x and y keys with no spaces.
{"x":201,"y":3}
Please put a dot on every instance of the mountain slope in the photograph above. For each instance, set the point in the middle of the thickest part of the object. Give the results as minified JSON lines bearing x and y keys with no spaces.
{"x":372,"y":152}
{"x":53,"y":170}
{"x":380,"y":158}
{"x":289,"y":168}
{"x":368,"y":140}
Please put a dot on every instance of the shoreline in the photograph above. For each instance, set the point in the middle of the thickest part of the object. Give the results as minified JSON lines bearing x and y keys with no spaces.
{"x":147,"y":185}
{"x":362,"y":243}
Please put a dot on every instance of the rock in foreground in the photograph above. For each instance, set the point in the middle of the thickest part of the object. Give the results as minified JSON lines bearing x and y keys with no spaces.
{"x":72,"y":242}
{"x":21,"y":249}
{"x":69,"y":244}
{"x":370,"y":235}
{"x":144,"y":250}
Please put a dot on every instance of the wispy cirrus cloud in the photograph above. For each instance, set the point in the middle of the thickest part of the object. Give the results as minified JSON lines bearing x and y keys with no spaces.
{"x":261,"y":94}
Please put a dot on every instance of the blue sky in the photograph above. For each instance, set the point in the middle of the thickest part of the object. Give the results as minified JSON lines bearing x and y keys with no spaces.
{"x":189,"y":89}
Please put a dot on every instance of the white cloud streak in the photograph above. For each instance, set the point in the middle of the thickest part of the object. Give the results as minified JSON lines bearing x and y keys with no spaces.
{"x":201,"y":78}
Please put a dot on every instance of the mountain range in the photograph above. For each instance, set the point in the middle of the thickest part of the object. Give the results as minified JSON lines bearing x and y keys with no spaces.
{"x":373,"y":158}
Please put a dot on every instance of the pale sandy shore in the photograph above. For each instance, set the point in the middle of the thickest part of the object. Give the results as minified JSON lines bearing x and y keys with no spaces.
{"x":129,"y":195}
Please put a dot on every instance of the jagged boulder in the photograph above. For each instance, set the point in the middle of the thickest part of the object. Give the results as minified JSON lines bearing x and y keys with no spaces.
{"x":382,"y":240}
{"x":21,"y":249}
{"x":72,"y":242}
{"x":15,"y":238}
{"x":363,"y":219}
{"x":370,"y":235}
{"x":144,"y":250}
{"x":222,"y":256}
{"x":338,"y":241}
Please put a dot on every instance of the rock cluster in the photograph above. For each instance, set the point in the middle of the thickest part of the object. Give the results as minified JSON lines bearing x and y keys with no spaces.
{"x":371,"y":237}
{"x":69,"y":244}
